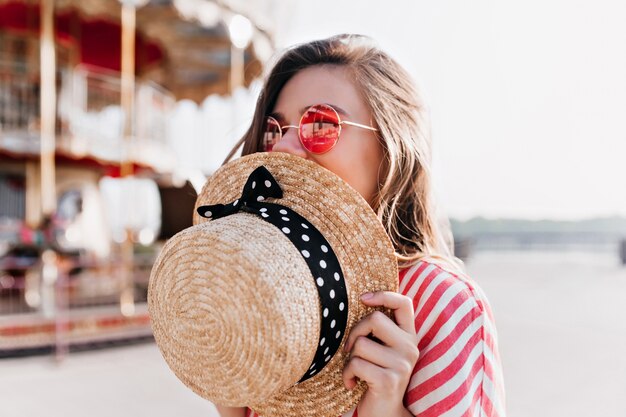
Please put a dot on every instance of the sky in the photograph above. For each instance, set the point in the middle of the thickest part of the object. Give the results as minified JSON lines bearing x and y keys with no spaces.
{"x":527,"y":100}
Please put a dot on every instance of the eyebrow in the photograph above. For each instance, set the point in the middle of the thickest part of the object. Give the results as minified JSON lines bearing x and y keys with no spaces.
{"x":341,"y":111}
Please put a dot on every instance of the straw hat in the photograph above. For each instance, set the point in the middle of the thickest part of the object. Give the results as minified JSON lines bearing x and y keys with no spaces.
{"x":252,"y":304}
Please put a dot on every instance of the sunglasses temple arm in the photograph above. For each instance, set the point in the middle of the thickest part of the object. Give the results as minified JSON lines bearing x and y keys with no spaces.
{"x":359,"y":125}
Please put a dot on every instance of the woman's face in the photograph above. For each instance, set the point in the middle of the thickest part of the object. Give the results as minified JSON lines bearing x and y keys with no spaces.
{"x":358,"y":155}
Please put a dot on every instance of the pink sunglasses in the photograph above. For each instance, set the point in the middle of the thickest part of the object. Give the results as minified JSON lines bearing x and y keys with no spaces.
{"x":319,"y":129}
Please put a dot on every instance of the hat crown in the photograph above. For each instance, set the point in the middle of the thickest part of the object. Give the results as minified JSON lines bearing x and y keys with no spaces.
{"x":249,"y":307}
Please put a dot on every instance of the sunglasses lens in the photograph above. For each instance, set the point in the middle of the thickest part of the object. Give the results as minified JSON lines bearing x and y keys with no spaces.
{"x":271,"y":134}
{"x":319,"y":128}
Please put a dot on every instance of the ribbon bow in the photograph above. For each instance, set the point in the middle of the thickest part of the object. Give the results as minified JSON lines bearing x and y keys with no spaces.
{"x":259,"y":186}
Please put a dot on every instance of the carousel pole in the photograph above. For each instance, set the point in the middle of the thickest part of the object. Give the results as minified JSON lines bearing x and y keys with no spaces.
{"x":236,"y":68}
{"x":47,"y":109}
{"x":240,"y":32}
{"x":129,"y":14}
{"x":129,"y":23}
{"x":54,"y":287}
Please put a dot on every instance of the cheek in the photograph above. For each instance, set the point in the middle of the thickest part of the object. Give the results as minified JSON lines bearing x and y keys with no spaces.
{"x":358,"y":165}
{"x":366,"y":167}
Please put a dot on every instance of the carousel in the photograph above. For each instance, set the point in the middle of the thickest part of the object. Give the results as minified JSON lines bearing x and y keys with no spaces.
{"x":86,"y":91}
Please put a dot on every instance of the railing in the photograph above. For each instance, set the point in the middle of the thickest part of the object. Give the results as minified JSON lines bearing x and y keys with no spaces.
{"x":96,"y":118}
{"x":23,"y":281}
{"x":90,"y":118}
{"x":19,"y":99}
{"x":54,"y":301}
{"x":94,"y":111}
{"x":154,"y":106}
{"x":20,"y":85}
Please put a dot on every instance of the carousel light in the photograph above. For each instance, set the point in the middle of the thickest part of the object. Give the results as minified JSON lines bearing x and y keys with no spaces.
{"x":240,"y":30}
{"x":7,"y":281}
{"x":186,"y":8}
{"x":32,"y":298}
{"x":146,"y":236}
{"x":209,"y":14}
{"x":49,"y":271}
{"x":72,"y":234}
{"x":263,"y":48}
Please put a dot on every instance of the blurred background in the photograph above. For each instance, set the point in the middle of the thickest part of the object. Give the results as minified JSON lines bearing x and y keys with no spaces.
{"x":113,"y":113}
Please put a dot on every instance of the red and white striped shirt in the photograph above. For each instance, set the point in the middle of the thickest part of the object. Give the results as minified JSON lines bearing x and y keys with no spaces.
{"x":458,"y":372}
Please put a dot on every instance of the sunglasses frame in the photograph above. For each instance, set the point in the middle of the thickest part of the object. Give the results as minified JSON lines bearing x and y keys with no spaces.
{"x":299,"y":127}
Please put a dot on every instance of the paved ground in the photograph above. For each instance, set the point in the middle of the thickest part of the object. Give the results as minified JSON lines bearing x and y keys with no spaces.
{"x":562,"y":340}
{"x":121,"y":381}
{"x":561,"y":320}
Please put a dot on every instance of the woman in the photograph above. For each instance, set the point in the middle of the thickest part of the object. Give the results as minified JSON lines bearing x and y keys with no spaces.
{"x":348,"y":106}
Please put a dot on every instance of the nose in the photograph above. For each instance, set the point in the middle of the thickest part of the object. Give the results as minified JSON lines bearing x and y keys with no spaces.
{"x":290,"y":143}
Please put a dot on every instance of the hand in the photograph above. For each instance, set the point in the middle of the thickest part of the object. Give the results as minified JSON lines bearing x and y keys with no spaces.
{"x":386,"y":367}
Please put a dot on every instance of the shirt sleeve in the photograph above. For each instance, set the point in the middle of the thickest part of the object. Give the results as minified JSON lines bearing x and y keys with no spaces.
{"x":458,"y":372}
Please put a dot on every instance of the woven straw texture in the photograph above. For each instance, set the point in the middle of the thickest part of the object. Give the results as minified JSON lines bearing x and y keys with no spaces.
{"x":201,"y":316}
{"x":235,"y":310}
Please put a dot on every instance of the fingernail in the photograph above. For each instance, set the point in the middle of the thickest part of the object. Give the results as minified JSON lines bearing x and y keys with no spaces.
{"x":367,"y":296}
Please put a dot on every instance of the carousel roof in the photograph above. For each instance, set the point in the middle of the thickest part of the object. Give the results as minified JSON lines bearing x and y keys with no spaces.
{"x":183,"y":45}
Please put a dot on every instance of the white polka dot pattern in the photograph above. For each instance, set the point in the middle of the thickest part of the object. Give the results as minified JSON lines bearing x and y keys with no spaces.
{"x":325,"y":267}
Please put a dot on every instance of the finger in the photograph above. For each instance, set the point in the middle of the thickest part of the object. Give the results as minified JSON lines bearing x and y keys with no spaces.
{"x":381,"y":326}
{"x":362,"y":369}
{"x":401,"y":305}
{"x":373,"y":352}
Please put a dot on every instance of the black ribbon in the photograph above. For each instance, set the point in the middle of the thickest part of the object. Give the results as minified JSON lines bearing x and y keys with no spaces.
{"x":260,"y":185}
{"x":313,"y":247}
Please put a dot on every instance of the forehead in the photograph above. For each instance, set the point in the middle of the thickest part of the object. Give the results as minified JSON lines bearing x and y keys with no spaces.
{"x":331,"y":84}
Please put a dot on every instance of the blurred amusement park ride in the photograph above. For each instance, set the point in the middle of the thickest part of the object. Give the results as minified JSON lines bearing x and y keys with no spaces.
{"x":89,"y":185}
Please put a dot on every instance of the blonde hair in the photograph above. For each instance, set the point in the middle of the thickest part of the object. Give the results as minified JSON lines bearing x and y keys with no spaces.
{"x":404,"y":202}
